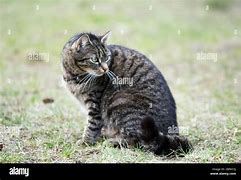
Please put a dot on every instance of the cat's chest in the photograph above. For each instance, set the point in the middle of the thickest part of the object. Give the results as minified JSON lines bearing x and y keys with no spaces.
{"x":83,"y":106}
{"x":87,"y":101}
{"x":79,"y":97}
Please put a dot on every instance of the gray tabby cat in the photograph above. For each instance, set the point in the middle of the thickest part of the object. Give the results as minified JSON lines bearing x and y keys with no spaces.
{"x":126,"y":97}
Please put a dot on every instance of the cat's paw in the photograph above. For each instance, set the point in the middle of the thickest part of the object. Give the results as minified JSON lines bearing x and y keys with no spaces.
{"x":113,"y":142}
{"x":86,"y":141}
{"x":117,"y":142}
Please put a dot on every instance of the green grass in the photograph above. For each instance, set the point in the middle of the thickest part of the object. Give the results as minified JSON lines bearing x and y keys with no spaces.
{"x":207,"y":93}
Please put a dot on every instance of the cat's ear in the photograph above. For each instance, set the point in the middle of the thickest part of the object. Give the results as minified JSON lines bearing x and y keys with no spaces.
{"x":81,"y":42}
{"x":105,"y":37}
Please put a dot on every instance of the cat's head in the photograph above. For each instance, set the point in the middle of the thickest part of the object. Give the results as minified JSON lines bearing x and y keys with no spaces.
{"x":90,"y":53}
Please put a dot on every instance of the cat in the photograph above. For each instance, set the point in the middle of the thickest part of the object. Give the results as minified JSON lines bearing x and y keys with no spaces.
{"x":126,"y":97}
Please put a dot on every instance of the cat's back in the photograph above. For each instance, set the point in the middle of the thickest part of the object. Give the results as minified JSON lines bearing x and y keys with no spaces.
{"x":148,"y":92}
{"x":129,"y":63}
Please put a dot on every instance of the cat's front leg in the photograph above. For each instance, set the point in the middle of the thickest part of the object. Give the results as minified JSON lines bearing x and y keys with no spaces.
{"x":94,"y":124}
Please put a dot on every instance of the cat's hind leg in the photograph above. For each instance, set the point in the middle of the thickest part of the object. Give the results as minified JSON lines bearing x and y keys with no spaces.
{"x":116,"y":138}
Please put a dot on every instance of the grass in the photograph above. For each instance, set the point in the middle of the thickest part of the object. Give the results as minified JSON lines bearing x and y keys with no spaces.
{"x":171,"y":33}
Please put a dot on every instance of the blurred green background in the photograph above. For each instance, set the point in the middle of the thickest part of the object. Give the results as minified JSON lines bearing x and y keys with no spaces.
{"x":172,"y":33}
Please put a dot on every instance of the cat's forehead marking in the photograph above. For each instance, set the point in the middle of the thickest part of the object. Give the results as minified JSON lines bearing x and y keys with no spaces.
{"x":99,"y":48}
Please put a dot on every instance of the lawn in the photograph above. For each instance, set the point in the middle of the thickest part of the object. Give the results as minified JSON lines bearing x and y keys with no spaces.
{"x":196,"y":45}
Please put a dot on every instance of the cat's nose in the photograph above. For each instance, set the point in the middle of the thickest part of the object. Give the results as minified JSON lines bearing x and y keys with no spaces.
{"x":104,"y":67}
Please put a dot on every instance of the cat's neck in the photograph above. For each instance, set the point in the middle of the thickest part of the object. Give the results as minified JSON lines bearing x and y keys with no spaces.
{"x":70,"y":75}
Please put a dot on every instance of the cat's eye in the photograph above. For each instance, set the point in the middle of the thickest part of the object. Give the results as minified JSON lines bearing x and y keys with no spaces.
{"x":94,"y":60}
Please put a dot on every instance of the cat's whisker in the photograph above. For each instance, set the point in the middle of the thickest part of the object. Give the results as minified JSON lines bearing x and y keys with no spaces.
{"x":82,"y":82}
{"x":109,"y":76}
{"x":84,"y":78}
{"x":115,"y":77}
{"x":84,"y":73}
{"x":112,"y":77}
{"x":113,"y":74}
{"x":91,"y":80}
{"x":87,"y":81}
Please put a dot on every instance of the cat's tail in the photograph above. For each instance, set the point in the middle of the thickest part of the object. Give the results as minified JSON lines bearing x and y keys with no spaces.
{"x":160,"y":144}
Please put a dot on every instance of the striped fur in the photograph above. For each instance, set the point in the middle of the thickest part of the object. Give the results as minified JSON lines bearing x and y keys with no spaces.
{"x":135,"y":114}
